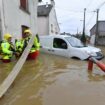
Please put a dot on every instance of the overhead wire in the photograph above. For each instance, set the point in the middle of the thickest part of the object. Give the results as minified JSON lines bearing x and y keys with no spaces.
{"x":94,"y":13}
{"x":101,"y":5}
{"x":89,"y":4}
{"x":90,"y":19}
{"x":79,"y":12}
{"x":73,"y":11}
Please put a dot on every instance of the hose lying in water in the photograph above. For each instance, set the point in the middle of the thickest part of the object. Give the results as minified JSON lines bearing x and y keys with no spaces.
{"x":15,"y":71}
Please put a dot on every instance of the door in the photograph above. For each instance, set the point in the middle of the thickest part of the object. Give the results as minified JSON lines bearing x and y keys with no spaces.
{"x":60,"y":47}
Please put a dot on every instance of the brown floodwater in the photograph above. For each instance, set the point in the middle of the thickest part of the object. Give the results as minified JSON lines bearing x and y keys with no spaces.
{"x":54,"y":80}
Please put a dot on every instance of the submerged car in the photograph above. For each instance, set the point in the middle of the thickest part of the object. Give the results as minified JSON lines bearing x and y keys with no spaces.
{"x":68,"y":46}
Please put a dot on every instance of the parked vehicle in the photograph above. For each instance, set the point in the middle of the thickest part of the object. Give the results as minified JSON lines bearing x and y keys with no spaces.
{"x":68,"y":46}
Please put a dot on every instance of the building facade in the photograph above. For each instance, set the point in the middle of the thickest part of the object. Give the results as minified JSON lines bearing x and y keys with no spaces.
{"x":47,"y":19}
{"x":101,"y":33}
{"x":17,"y":15}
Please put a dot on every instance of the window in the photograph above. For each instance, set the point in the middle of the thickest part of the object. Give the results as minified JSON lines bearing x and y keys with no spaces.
{"x":52,"y":28}
{"x":23,"y":27}
{"x":39,"y":0}
{"x":59,"y":43}
{"x":74,"y":42}
{"x":24,"y":4}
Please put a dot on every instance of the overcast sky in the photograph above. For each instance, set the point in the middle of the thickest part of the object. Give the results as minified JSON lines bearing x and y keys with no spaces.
{"x":70,"y":14}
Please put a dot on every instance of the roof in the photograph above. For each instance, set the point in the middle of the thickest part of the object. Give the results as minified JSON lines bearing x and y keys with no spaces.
{"x":55,"y":36}
{"x":44,"y":10}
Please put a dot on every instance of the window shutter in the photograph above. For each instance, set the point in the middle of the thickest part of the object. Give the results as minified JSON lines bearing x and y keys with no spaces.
{"x":23,"y":4}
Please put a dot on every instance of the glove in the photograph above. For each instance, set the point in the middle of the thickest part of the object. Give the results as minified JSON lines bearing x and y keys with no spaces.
{"x":16,"y":53}
{"x":11,"y":53}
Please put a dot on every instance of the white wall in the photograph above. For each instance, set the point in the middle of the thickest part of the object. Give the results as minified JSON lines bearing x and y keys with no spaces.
{"x":43,"y":25}
{"x":92,"y":40}
{"x":54,"y":22}
{"x":13,"y":17}
{"x":1,"y":21}
{"x":0,"y":31}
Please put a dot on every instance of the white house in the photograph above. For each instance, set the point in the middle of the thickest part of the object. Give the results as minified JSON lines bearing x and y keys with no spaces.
{"x":17,"y":15}
{"x":47,"y":19}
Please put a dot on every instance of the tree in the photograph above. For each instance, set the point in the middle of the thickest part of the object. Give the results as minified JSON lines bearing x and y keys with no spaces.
{"x":83,"y":38}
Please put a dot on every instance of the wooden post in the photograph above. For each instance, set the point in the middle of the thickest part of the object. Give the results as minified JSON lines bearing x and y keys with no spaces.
{"x":90,"y":65}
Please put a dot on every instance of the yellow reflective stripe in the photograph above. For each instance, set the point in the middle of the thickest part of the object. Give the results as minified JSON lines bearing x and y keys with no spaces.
{"x":6,"y":57}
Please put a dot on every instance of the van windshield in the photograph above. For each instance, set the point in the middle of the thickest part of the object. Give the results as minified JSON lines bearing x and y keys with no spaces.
{"x":74,"y":42}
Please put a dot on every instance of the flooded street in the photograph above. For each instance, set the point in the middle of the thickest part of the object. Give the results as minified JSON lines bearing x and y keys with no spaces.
{"x":54,"y":80}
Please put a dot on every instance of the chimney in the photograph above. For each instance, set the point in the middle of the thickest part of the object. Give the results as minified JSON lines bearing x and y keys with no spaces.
{"x":52,"y":2}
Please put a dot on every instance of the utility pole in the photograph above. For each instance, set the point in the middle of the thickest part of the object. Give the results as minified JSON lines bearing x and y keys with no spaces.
{"x":77,"y":31}
{"x":97,"y":31}
{"x":83,"y":37}
{"x":84,"y":20}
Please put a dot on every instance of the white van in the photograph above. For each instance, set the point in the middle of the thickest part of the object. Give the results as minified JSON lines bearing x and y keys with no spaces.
{"x":68,"y":46}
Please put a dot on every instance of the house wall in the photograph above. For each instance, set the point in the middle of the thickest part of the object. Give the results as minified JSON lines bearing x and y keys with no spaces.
{"x":1,"y":20}
{"x":93,"y":31}
{"x":101,"y":40}
{"x":13,"y":17}
{"x":53,"y":21}
{"x":48,"y":25}
{"x":0,"y":31}
{"x":101,"y":28}
{"x":101,"y":31}
{"x":92,"y":40}
{"x":43,"y":25}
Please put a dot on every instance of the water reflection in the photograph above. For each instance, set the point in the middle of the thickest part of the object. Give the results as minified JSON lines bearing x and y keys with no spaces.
{"x":96,"y":77}
{"x":5,"y":69}
{"x":54,"y":80}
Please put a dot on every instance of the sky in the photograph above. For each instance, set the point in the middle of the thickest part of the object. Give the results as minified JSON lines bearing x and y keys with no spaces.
{"x":70,"y":14}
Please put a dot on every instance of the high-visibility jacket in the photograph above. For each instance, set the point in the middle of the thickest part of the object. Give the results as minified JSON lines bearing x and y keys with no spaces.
{"x":35,"y":45}
{"x":6,"y":50}
{"x":25,"y":43}
{"x":0,"y":47}
{"x":19,"y":46}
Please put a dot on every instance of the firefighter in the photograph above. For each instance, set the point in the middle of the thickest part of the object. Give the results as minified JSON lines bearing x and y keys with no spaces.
{"x":26,"y":37}
{"x":37,"y":41}
{"x":0,"y":51}
{"x":35,"y":46}
{"x":7,"y":48}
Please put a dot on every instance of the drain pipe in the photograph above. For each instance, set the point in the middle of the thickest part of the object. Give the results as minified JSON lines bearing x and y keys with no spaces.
{"x":2,"y":19}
